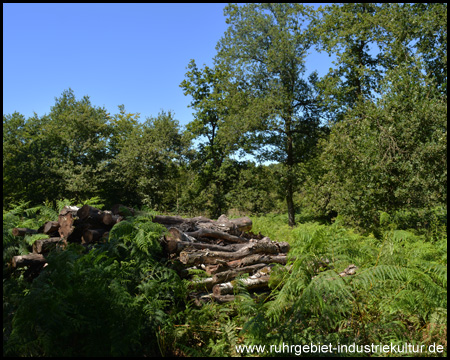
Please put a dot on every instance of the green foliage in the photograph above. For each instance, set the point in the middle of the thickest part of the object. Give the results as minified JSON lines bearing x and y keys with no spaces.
{"x":265,"y":46}
{"x":146,"y":168}
{"x":397,"y":295}
{"x":121,"y":298}
{"x":109,"y":301}
{"x":380,"y":166}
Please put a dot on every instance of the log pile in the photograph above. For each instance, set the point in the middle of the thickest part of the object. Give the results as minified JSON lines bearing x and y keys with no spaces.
{"x":85,"y":225}
{"x":225,"y":250}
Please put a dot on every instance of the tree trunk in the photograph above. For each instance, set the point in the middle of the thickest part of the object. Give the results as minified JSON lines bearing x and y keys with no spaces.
{"x":28,"y":260}
{"x":250,"y":283}
{"x":258,"y":258}
{"x":92,"y":235}
{"x":289,"y":169}
{"x":217,"y":257}
{"x":50,"y":227}
{"x":231,"y":274}
{"x":175,"y":247}
{"x":203,"y":233}
{"x":23,"y":231}
{"x":46,"y":245}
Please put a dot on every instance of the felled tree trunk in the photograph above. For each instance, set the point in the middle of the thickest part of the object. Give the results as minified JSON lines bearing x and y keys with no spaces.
{"x":233,"y":226}
{"x":50,"y":227}
{"x":28,"y":260}
{"x":46,"y":245}
{"x":250,"y":283}
{"x":65,"y":221}
{"x":23,"y":231}
{"x":216,"y":257}
{"x":209,"y":233}
{"x":92,"y":235}
{"x":96,"y":216}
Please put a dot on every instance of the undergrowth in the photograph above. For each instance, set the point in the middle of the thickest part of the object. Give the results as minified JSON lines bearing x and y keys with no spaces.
{"x":122,"y":298}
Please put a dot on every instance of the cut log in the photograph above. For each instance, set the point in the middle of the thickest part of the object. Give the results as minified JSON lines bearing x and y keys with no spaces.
{"x":175,"y":241}
{"x":234,"y":225}
{"x":28,"y":260}
{"x":175,"y":247}
{"x":69,"y":209}
{"x":250,"y":283}
{"x":50,"y":227}
{"x":258,"y":258}
{"x":45,"y":245}
{"x":217,"y":257}
{"x":221,"y":299}
{"x":65,"y":221}
{"x":23,"y":231}
{"x":209,"y":233}
{"x":92,"y":235}
{"x":177,"y":235}
{"x":229,"y":275}
{"x":96,"y":216}
{"x":206,"y":283}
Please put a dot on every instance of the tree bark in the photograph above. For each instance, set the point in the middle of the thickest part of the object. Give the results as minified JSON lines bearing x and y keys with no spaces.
{"x":250,"y":283}
{"x":258,"y":258}
{"x":65,"y":221}
{"x":175,"y":247}
{"x":28,"y":260}
{"x":204,"y":233}
{"x":92,"y":235}
{"x":50,"y":227}
{"x":23,"y":231}
{"x":231,"y":274}
{"x":217,"y":257}
{"x":46,"y":245}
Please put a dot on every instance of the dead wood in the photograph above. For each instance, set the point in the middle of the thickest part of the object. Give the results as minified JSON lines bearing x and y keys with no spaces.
{"x":216,"y":234}
{"x":250,"y":283}
{"x":28,"y":260}
{"x":217,"y":257}
{"x":23,"y":231}
{"x":44,"y":246}
{"x":50,"y":227}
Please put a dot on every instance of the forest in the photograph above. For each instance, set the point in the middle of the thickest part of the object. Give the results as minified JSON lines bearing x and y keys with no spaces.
{"x":348,"y":169}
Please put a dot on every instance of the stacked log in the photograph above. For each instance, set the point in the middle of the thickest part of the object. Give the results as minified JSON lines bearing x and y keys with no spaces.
{"x":85,"y":225}
{"x":225,"y":250}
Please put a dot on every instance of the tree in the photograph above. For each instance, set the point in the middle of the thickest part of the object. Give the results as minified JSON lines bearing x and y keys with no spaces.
{"x":146,"y":168}
{"x":371,"y":39}
{"x":265,"y":47}
{"x":348,"y":31}
{"x":389,"y":93}
{"x":389,"y":154}
{"x":210,"y":91}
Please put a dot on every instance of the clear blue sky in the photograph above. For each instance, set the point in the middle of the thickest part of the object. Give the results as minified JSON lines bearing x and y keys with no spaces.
{"x":131,"y":54}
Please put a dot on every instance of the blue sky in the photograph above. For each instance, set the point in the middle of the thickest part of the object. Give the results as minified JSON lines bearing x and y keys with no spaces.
{"x":131,"y":54}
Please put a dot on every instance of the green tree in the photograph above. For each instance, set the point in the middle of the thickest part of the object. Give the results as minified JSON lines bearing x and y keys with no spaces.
{"x":349,"y":32}
{"x":265,"y":47}
{"x":147,"y":166}
{"x":210,"y":91}
{"x":389,"y":154}
{"x":78,"y":134}
{"x":371,"y":39}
